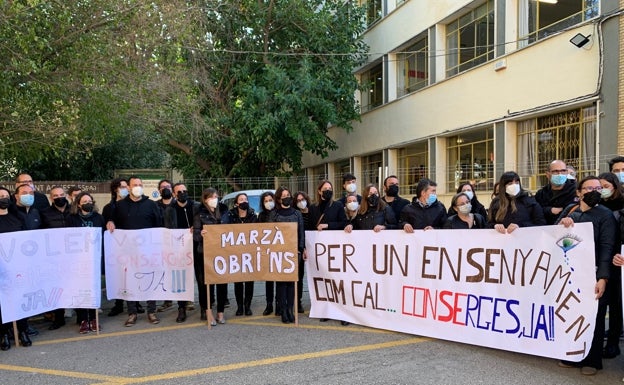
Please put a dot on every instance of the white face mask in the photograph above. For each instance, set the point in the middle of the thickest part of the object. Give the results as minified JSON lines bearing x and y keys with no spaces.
{"x":213,"y":202}
{"x":465,"y":209}
{"x":137,"y":191}
{"x":469,"y":193}
{"x":270,"y":205}
{"x":353,"y":206}
{"x":512,"y":189}
{"x":302,"y":205}
{"x":351,"y":187}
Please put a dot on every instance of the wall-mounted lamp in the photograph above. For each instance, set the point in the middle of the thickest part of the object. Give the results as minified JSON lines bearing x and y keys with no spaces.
{"x":579,"y":40}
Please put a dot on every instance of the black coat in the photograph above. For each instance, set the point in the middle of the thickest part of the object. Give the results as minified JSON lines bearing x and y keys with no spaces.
{"x":292,"y":215}
{"x":331,"y":214}
{"x":549,"y":198}
{"x":454,"y":222}
{"x":528,"y":212}
{"x":372,"y":217}
{"x":53,"y":218}
{"x":397,"y":205}
{"x":142,"y":214}
{"x":420,"y":217}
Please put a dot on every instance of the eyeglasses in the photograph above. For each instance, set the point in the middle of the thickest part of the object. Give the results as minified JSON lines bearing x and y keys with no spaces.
{"x":558,"y":172}
{"x":592,"y":188}
{"x":24,"y":181}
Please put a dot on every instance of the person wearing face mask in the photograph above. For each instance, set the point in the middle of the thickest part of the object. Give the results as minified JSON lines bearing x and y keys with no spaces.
{"x":392,"y":198}
{"x":118,"y":190}
{"x":558,"y":193}
{"x":476,"y":206}
{"x":166,"y":199}
{"x":242,"y":213}
{"x":178,"y":214}
{"x":513,"y":207}
{"x":426,"y":211}
{"x":40,"y":200}
{"x":302,"y":203}
{"x":135,"y":212}
{"x":327,"y":214}
{"x":84,"y":213}
{"x":613,"y":199}
{"x":12,"y":220}
{"x":351,"y":208}
{"x":267,"y":215}
{"x":373,"y":214}
{"x":53,"y":217}
{"x":285,"y":212}
{"x":606,"y":243}
{"x":349,"y":186}
{"x":616,"y":166}
{"x":209,"y":214}
{"x":464,"y":217}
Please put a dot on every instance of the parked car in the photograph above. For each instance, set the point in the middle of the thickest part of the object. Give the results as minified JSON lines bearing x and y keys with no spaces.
{"x":252,"y":195}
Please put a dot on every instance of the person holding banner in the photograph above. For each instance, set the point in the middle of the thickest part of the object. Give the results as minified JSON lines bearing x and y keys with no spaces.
{"x":464,"y":218}
{"x":302,"y":201}
{"x":135,"y":212}
{"x":351,"y":208}
{"x":606,"y":237}
{"x":476,"y":206}
{"x":327,"y":214}
{"x":11,"y":220}
{"x":513,"y":207}
{"x":286,"y":213}
{"x":392,"y":198}
{"x":242,"y":213}
{"x":84,"y":213}
{"x":374,"y":214}
{"x":266,"y":215}
{"x":426,"y":211}
{"x":209,"y":214}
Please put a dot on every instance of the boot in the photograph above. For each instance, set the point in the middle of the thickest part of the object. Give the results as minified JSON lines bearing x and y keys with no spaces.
{"x":248,"y":308}
{"x":24,"y":339}
{"x":5,"y":344}
{"x":284,"y":315}
{"x":203,"y":316}
{"x":290,"y":314}
{"x":268,"y":310}
{"x":240,"y":310}
{"x":181,"y":315}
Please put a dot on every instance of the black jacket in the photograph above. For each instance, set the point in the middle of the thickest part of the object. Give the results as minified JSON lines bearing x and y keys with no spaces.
{"x":232,"y":216}
{"x":397,"y":205}
{"x":31,"y":218}
{"x":372,"y":217}
{"x":606,"y":234}
{"x":454,"y":222}
{"x":170,"y":219}
{"x":142,"y":214}
{"x":331,"y":214}
{"x":420,"y":217}
{"x":529,"y":212}
{"x":201,"y":218}
{"x":292,"y":215}
{"x":549,"y":198}
{"x":53,"y":218}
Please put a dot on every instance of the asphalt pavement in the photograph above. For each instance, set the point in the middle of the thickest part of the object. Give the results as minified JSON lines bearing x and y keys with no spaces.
{"x":261,"y":349}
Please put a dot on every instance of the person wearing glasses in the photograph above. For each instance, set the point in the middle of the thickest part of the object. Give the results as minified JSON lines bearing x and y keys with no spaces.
{"x":606,"y":240}
{"x":558,"y":193}
{"x":513,"y":207}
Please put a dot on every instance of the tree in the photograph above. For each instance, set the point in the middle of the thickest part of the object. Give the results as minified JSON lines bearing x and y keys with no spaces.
{"x":271,"y":78}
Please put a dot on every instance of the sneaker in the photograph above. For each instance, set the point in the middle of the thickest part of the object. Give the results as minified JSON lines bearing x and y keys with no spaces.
{"x":131,"y":320}
{"x":165,"y":306}
{"x":94,"y":327}
{"x":151,"y":317}
{"x":84,"y":327}
{"x":588,"y":371}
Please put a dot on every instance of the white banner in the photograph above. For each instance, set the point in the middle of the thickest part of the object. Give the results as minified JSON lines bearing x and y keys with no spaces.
{"x":149,"y":264}
{"x":531,"y":291}
{"x":43,"y":270}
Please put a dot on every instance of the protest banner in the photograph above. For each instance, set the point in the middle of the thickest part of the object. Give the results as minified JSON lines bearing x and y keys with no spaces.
{"x":149,"y":264}
{"x":43,"y":270}
{"x":531,"y":291}
{"x":251,"y":252}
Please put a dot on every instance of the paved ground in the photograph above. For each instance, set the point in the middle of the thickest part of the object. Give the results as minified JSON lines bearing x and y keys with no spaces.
{"x":262,"y":350}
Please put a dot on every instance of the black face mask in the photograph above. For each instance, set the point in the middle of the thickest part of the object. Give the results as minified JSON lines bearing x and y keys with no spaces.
{"x":393,"y":190}
{"x":243,"y":205}
{"x":87,"y":207}
{"x":166,"y":194}
{"x":327,"y":195}
{"x":5,"y":203}
{"x":373,"y":200}
{"x":60,"y":202}
{"x":592,"y":198}
{"x":182,"y":197}
{"x":286,"y":202}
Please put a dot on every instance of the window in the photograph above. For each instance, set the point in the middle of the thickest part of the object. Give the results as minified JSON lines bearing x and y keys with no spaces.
{"x":470,"y":157}
{"x":470,"y":39}
{"x":413,"y":166}
{"x":341,"y":168}
{"x":372,"y":83}
{"x":373,"y":10}
{"x":413,"y":68}
{"x":538,"y":19}
{"x":318,"y":174}
{"x":371,"y":166}
{"x":569,"y":136}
